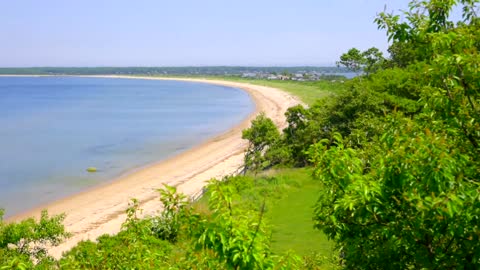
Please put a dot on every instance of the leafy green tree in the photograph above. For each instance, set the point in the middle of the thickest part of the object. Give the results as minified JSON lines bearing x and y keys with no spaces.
{"x":27,"y":240}
{"x":352,"y":60}
{"x":368,"y":61}
{"x":403,"y":210}
{"x":294,"y":135}
{"x":410,"y":198}
{"x":402,"y":54}
{"x":356,"y":113}
{"x":261,"y":135}
{"x":451,"y":56}
{"x":373,"y":59}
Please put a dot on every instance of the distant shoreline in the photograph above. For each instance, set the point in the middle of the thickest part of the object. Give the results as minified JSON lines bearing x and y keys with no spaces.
{"x":101,"y":209}
{"x":22,"y":75}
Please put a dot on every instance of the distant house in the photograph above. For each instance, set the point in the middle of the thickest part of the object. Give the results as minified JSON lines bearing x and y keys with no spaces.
{"x":272,"y":77}
{"x":249,"y":75}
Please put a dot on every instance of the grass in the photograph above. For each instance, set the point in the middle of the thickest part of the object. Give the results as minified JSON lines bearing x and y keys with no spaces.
{"x":308,"y":91}
{"x":291,"y":217}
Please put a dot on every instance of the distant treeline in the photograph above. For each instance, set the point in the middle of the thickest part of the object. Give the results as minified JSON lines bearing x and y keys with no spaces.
{"x":207,"y":70}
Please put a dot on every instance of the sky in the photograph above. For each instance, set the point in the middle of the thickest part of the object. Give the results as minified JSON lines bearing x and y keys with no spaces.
{"x":187,"y":32}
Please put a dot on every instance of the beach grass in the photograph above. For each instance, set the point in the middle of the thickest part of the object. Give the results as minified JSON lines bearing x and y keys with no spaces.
{"x":307,"y":91}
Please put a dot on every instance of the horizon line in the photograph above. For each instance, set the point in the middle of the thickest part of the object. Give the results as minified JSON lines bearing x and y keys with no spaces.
{"x":190,"y":66}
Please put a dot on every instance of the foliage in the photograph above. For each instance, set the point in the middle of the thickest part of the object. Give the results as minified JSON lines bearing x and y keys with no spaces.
{"x":317,"y":261}
{"x":373,"y":60}
{"x":368,"y":61}
{"x":454,"y":96}
{"x":307,"y":91}
{"x":282,"y":192}
{"x":352,"y":60}
{"x":397,"y":152}
{"x":405,"y":210}
{"x":358,"y":114}
{"x":142,"y":243}
{"x":402,"y":55}
{"x":28,"y":239}
{"x":409,"y":197}
{"x":167,"y":225}
{"x":238,"y":237}
{"x":135,"y":247}
{"x":261,"y":135}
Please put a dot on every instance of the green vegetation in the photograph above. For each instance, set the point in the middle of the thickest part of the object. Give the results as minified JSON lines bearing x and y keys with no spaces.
{"x":397,"y":153}
{"x":291,"y":216}
{"x":262,"y":133}
{"x":307,"y":91}
{"x":22,"y":242}
{"x":290,"y":195}
{"x":368,"y":61}
{"x":394,"y":156}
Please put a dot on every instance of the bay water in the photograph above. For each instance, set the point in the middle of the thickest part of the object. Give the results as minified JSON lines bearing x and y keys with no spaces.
{"x":53,"y":128}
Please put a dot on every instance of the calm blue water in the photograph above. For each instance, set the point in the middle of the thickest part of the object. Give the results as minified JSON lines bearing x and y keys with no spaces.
{"x":53,"y":128}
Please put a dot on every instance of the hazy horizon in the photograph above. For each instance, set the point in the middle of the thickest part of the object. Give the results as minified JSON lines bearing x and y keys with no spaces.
{"x":151,"y":33}
{"x":195,"y":66}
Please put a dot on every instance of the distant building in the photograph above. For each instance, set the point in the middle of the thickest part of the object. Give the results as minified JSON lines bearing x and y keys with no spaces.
{"x":249,"y":75}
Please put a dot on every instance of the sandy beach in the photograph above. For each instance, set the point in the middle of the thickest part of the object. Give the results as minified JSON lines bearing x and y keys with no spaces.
{"x":101,"y":210}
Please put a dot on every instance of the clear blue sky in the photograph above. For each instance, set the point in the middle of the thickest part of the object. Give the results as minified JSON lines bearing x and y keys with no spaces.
{"x":186,"y":32}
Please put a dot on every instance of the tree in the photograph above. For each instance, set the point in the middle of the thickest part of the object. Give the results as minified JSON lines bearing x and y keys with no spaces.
{"x":410,"y":199}
{"x":352,"y":60}
{"x":261,"y":135}
{"x":373,"y":59}
{"x":369,"y":61}
{"x":28,"y":239}
{"x":402,"y":54}
{"x":402,"y":210}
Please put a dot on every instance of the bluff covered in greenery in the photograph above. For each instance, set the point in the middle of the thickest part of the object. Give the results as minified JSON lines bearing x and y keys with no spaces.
{"x":395,"y":156}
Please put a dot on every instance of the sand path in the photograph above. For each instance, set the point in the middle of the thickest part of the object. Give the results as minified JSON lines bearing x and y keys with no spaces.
{"x":101,"y":210}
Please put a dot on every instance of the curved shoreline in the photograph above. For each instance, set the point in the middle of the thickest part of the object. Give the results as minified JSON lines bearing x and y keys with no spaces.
{"x":101,"y":209}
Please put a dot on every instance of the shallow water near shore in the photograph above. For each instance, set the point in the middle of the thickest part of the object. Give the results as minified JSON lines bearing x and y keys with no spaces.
{"x":53,"y":128}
